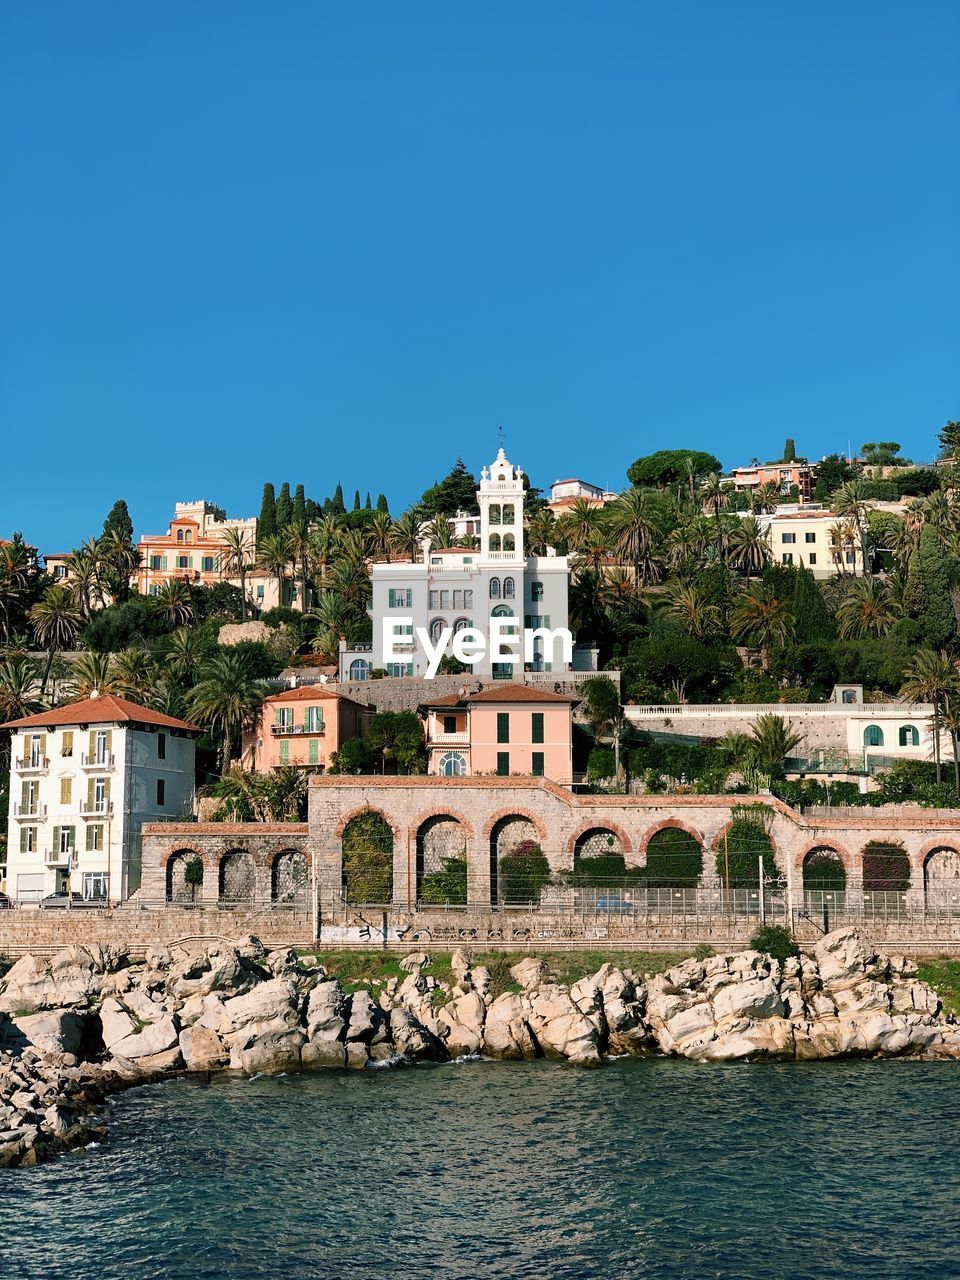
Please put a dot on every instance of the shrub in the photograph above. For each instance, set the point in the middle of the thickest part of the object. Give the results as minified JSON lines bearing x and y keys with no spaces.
{"x":368,"y":858}
{"x":600,"y":764}
{"x":674,"y":859}
{"x":824,"y":871}
{"x":886,"y":867}
{"x":776,"y":941}
{"x":746,"y":843}
{"x":703,"y":951}
{"x":193,"y":875}
{"x":449,"y":885}
{"x":602,"y":870}
{"x":523,"y":874}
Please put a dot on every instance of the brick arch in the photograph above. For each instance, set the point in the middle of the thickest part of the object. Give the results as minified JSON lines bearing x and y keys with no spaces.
{"x":626,"y":844}
{"x":932,"y":846}
{"x":515,"y":813}
{"x":834,"y":846}
{"x":670,"y":824}
{"x":442,"y":811}
{"x":207,"y":859}
{"x":356,"y":813}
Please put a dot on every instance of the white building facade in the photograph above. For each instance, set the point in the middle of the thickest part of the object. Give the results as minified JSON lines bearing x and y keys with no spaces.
{"x":459,"y":588}
{"x":83,"y":780}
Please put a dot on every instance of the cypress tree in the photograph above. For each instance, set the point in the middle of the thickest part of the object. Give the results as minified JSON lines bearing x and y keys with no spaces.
{"x":284,"y":508}
{"x":367,"y":505}
{"x":813,"y":620}
{"x":356,"y":499}
{"x":337,"y":504}
{"x":789,"y":450}
{"x":267,"y":524}
{"x":299,"y":505}
{"x":928,"y":590}
{"x":382,"y":504}
{"x":312,"y":510}
{"x":118,"y":520}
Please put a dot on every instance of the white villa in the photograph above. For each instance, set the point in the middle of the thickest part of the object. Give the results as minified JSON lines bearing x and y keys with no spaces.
{"x":83,"y":779}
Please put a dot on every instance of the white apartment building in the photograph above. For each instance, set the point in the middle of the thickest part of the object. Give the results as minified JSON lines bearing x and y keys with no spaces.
{"x":83,"y":779}
{"x":564,"y":493}
{"x":459,"y":588}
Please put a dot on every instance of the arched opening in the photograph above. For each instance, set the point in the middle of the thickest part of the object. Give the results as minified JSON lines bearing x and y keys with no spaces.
{"x":452,"y":765}
{"x":674,"y":860}
{"x":494,"y":542}
{"x":441,"y":861}
{"x":941,"y":880}
{"x":518,"y":865}
{"x":508,"y":585}
{"x":598,"y":861}
{"x":909,"y":735}
{"x":184,"y":876}
{"x":744,"y":848}
{"x":886,"y":871}
{"x":359,"y":669}
{"x":494,"y":513}
{"x":509,"y":542}
{"x":436,"y":627}
{"x":494,"y":588}
{"x":461,"y":624}
{"x":873,"y":736}
{"x":508,"y":513}
{"x":823,"y":871}
{"x":289,"y":878}
{"x":237,"y":878}
{"x":367,"y":853}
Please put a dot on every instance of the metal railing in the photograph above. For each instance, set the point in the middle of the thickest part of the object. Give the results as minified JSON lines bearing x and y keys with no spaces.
{"x":99,"y":760}
{"x":25,"y":811}
{"x":32,"y":764}
{"x":294,"y":730}
{"x":96,"y":808}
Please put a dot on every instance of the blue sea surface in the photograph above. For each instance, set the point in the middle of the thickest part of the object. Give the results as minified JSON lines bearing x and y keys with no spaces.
{"x":653,"y":1168}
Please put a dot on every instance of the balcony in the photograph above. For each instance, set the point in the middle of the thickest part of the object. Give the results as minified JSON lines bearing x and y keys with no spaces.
{"x":96,"y":808}
{"x":458,"y":739}
{"x":296,"y":730}
{"x":100,"y":761}
{"x":30,"y":812}
{"x":32,"y":764}
{"x":56,"y":860}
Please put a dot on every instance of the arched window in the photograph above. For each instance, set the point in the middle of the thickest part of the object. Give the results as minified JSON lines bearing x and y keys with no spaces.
{"x":873,"y":736}
{"x":494,"y":542}
{"x":359,"y":669}
{"x":508,"y":588}
{"x":179,"y":535}
{"x":508,"y":516}
{"x":188,"y":536}
{"x":461,"y":624}
{"x":909,"y":737}
{"x":494,"y":588}
{"x":436,"y":626}
{"x":502,"y":611}
{"x":494,"y":516}
{"x":509,"y":542}
{"x":453,"y":765}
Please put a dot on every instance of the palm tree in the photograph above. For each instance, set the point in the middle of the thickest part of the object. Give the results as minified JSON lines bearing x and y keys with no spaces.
{"x":134,"y":674}
{"x":235,"y":559}
{"x":542,"y":532}
{"x":19,"y":681}
{"x":83,"y":574}
{"x":352,"y":550}
{"x":173,"y":598}
{"x":619,"y":589}
{"x":931,"y":677}
{"x":868,"y":609}
{"x":695,"y":614}
{"x":274,"y":554}
{"x":635,"y":531}
{"x":226,"y":700}
{"x":851,"y":502}
{"x":582,"y":526}
{"x":378,"y":536}
{"x":767,"y":495}
{"x":120,"y":560}
{"x":92,"y":672}
{"x":759,"y":618}
{"x":298,"y":531}
{"x":324,"y":537}
{"x":15,"y":567}
{"x":772,"y":739}
{"x":439,"y":532}
{"x":182,"y":652}
{"x":749,"y":549}
{"x":405,"y":536}
{"x":56,"y":622}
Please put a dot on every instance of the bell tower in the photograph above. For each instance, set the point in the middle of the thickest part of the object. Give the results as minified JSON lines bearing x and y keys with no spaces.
{"x":500,"y":497}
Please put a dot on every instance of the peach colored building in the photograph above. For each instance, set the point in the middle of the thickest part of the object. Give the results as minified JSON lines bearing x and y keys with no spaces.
{"x":304,"y":726}
{"x":786,"y":474}
{"x":512,"y":729}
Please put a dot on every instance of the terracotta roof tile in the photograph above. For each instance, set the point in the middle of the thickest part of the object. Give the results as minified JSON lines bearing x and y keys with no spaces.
{"x":107,"y":708}
{"x":519,"y":693}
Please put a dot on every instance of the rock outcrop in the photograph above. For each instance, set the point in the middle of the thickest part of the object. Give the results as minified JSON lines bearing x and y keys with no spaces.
{"x":88,"y":1022}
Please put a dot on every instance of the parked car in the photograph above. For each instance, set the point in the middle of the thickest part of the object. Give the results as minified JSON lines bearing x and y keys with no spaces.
{"x":69,"y":900}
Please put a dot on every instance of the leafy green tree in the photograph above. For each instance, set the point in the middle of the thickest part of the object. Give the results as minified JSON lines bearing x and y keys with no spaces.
{"x":931,"y":677}
{"x":397,"y":737}
{"x":523,"y":874}
{"x":193,"y":876}
{"x":56,"y":623}
{"x":746,"y":842}
{"x":950,"y":440}
{"x":457,"y":491}
{"x":671,"y":467}
{"x":448,"y":886}
{"x":284,"y":508}
{"x":812,"y":620}
{"x":771,"y":741}
{"x":882,"y":453}
{"x":674,"y":860}
{"x":352,"y":757}
{"x":227,"y":700}
{"x":832,"y":472}
{"x":356,"y":500}
{"x":368,"y":859}
{"x":118,"y":521}
{"x":267,"y":524}
{"x":928,"y":590}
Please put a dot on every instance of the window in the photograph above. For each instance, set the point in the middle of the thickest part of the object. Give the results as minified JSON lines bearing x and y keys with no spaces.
{"x":444,"y":599}
{"x":399,"y":597}
{"x":188,"y":536}
{"x":64,"y":839}
{"x":536,"y":591}
{"x":94,"y":837}
{"x":849,"y":557}
{"x":100,"y":795}
{"x":37,"y":744}
{"x":434,"y":599}
{"x":179,"y":535}
{"x":508,"y":516}
{"x":285,"y":751}
{"x":458,"y":599}
{"x":788,"y":557}
{"x":452,"y":765}
{"x":468,"y":597}
{"x":161,"y":746}
{"x":94,"y":886}
{"x":359,"y":669}
{"x":66,"y":743}
{"x":260,"y":591}
{"x":812,"y":558}
{"x":536,"y":761}
{"x":848,"y":697}
{"x":536,"y":727}
{"x":788,"y":538}
{"x":66,"y":790}
{"x":449,"y":724}
{"x":28,"y":839}
{"x":461,"y":624}
{"x":101,"y":747}
{"x":313,"y":719}
{"x":509,"y":542}
{"x":809,"y":537}
{"x":503,"y":764}
{"x":494,"y":513}
{"x":399,"y":668}
{"x":284,"y":718}
{"x":183,"y":562}
{"x":208,"y":564}
{"x":161,"y":791}
{"x":909,"y":737}
{"x":508,"y":588}
{"x":494,"y":542}
{"x":503,"y":726}
{"x":494,"y":588}
{"x":156,"y":562}
{"x":436,"y":626}
{"x":873,"y":736}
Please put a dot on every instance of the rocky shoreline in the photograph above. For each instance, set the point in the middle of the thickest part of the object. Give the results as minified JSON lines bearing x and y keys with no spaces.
{"x":87,"y":1023}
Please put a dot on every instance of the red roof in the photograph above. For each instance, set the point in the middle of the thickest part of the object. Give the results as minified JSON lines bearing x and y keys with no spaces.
{"x":106,"y":708}
{"x":311,"y":693}
{"x":519,"y":693}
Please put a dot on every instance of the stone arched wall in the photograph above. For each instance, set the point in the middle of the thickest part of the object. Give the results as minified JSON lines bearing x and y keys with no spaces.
{"x":237,"y":877}
{"x":290,"y":878}
{"x":623,"y":844}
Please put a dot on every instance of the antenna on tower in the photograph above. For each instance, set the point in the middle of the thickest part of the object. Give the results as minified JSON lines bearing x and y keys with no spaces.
{"x":500,"y":433}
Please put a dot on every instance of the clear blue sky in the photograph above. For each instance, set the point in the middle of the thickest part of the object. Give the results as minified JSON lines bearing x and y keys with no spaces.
{"x":316,"y":242}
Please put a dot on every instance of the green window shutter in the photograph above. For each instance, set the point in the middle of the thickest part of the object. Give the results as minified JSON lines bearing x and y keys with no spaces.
{"x":503,"y":726}
{"x":537,"y":726}
{"x":23,"y":840}
{"x":277,"y":716}
{"x":91,"y":830}
{"x":284,"y":751}
{"x":390,"y":595}
{"x":56,"y":839}
{"x":91,"y":744}
{"x":109,"y":742}
{"x":106,"y":790}
{"x":314,"y":751}
{"x":163,"y":562}
{"x":90,"y":792}
{"x":503,"y":764}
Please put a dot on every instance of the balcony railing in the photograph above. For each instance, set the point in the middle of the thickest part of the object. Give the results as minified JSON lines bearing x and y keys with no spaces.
{"x":32,"y":764}
{"x":440,"y":739}
{"x":54,"y":858}
{"x":100,"y":760}
{"x":291,"y":730}
{"x":30,"y":812}
{"x":96,"y":808}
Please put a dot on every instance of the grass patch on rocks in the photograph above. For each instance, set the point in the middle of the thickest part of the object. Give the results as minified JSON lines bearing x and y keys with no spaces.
{"x":943,"y":974}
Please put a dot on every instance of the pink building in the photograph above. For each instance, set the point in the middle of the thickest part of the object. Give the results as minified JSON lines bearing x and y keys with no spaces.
{"x":304,"y":726}
{"x":511,"y":729}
